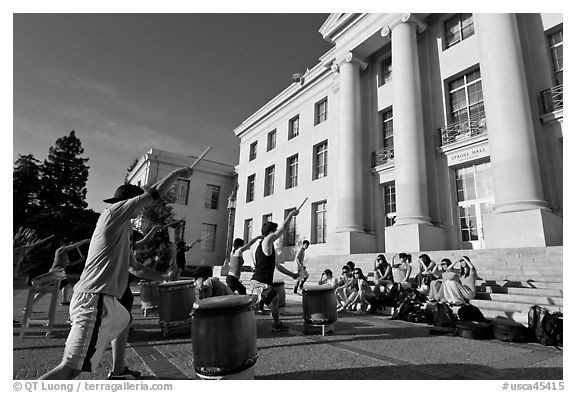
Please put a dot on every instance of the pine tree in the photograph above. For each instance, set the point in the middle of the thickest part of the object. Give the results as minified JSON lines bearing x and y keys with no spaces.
{"x":26,"y":186}
{"x":65,"y":174}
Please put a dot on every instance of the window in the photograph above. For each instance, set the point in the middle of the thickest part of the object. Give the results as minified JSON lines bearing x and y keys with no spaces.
{"x":269,"y":181}
{"x":250,"y":188}
{"x":248,"y":229}
{"x":253,"y":148}
{"x":556,"y":44}
{"x":208,"y":237}
{"x":180,"y":229}
{"x":292,"y":171}
{"x":388,"y":130}
{"x":293,"y":127}
{"x":271,"y":143}
{"x":290,"y":234}
{"x":466,"y":98}
{"x":321,"y":111}
{"x":321,"y":160}
{"x":319,"y":222}
{"x":212,"y":196}
{"x":266,"y":218}
{"x":457,"y":29}
{"x":389,"y":204}
{"x":386,"y":67}
{"x":180,"y":189}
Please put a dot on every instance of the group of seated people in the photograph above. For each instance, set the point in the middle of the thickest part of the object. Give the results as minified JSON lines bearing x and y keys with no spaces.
{"x":452,"y":283}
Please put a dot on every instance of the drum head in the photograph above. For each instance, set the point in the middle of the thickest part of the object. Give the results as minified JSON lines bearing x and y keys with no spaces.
{"x":222,"y":302}
{"x":176,"y":283}
{"x":317,"y":288}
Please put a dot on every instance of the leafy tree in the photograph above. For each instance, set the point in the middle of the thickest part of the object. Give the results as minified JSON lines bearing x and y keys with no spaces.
{"x":65,"y":174}
{"x":26,"y":185}
{"x":129,"y":169}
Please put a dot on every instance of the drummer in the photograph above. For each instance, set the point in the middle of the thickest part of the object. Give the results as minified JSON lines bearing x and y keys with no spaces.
{"x":264,"y":268}
{"x":211,"y":287}
{"x":236,"y":263}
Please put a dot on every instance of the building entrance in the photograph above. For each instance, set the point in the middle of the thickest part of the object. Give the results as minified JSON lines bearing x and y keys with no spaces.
{"x":475,"y":199}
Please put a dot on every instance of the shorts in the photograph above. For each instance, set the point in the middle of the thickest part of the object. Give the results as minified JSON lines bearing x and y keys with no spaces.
{"x":265,"y":293}
{"x":97,"y":319}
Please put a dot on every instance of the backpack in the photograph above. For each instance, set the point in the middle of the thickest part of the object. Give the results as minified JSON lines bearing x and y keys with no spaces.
{"x":547,"y":326}
{"x":404,"y":309}
{"x":443,"y":316}
{"x":469,"y":312}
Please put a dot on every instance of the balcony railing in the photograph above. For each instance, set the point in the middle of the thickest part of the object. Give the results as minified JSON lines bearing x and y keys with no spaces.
{"x":382,"y":156}
{"x":464,"y":129}
{"x":552,"y":99}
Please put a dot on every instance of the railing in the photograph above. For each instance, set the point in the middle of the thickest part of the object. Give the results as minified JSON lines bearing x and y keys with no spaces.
{"x":552,"y":99}
{"x":382,"y":156}
{"x":464,"y":129}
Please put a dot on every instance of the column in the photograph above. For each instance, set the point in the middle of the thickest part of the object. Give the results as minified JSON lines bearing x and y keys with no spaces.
{"x":515,"y":168}
{"x":349,"y":214}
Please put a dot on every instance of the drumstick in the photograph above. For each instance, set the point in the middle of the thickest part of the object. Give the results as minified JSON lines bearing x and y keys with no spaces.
{"x":302,"y":204}
{"x":201,"y":156}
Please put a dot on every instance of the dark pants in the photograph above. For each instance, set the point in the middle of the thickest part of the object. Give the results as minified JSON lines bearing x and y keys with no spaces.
{"x":235,"y":285}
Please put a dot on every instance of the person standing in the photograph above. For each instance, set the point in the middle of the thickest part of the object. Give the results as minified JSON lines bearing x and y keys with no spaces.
{"x":302,"y":273}
{"x":181,"y":249}
{"x":98,"y":318}
{"x":265,"y":265}
{"x":236,"y":263}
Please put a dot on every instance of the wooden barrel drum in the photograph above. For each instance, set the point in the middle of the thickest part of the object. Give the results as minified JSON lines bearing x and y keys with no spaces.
{"x":175,"y":300}
{"x":148,"y":295}
{"x":319,"y":304}
{"x":224,"y":337}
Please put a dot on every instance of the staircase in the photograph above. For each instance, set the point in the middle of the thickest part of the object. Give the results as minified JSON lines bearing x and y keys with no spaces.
{"x":510,"y":280}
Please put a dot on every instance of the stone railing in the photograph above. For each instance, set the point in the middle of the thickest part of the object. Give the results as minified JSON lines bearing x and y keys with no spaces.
{"x":552,"y":99}
{"x":464,"y":129}
{"x":382,"y":156}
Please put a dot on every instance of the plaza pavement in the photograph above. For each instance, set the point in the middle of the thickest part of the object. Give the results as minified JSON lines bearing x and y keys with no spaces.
{"x":363,"y":347}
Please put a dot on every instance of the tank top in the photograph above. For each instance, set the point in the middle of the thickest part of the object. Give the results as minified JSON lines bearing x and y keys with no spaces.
{"x":236,"y":263}
{"x":265,"y":265}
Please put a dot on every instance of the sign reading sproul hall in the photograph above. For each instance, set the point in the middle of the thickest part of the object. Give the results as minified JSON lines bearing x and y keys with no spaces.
{"x":469,"y":154}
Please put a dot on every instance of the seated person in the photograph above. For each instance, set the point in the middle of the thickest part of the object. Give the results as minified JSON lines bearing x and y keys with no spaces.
{"x":401,"y":271}
{"x":382,"y":271}
{"x":365,"y":294}
{"x":211,"y":287}
{"x":328,"y":279}
{"x":436,"y":293}
{"x":342,"y":289}
{"x":348,"y":291}
{"x":460,"y":287}
{"x":426,"y":274}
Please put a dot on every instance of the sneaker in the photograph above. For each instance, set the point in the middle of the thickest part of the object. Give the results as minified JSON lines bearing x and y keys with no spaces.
{"x":279,"y":327}
{"x":126,"y":374}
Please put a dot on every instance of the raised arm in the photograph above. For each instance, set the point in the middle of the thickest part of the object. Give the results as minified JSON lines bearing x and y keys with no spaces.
{"x":148,"y":237}
{"x":284,"y":226}
{"x":161,"y":187}
{"x":75,"y":245}
{"x":250,"y":243}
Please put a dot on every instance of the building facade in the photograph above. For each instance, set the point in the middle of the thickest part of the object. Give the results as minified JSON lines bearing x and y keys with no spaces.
{"x":201,"y":201}
{"x":414,"y":132}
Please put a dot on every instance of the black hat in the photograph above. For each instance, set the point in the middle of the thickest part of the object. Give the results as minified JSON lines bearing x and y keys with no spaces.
{"x":125,"y":191}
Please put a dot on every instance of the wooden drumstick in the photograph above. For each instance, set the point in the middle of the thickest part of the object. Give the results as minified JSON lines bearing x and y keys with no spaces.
{"x":302,"y":204}
{"x":201,"y":157}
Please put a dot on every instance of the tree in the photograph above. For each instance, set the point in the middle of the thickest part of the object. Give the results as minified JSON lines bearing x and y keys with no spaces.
{"x":129,"y":169}
{"x":65,"y":174}
{"x":26,"y":186}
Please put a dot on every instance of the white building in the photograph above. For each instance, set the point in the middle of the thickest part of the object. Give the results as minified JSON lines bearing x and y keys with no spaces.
{"x":414,"y":132}
{"x":201,"y":201}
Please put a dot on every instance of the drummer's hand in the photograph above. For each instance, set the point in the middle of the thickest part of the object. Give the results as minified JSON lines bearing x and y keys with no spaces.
{"x":295,"y":212}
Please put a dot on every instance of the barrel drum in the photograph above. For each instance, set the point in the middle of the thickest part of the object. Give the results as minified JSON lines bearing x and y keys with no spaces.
{"x":319,"y":304}
{"x":175,"y":300}
{"x":224,"y":337}
{"x":148,"y":294}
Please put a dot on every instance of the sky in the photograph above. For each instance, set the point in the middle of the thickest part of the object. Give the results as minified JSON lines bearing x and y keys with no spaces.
{"x":126,"y":83}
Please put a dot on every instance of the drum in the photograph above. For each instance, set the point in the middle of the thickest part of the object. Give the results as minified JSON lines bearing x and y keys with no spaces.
{"x":148,"y":294}
{"x":279,"y":286}
{"x":224,"y":337}
{"x":319,"y":304}
{"x":175,"y":300}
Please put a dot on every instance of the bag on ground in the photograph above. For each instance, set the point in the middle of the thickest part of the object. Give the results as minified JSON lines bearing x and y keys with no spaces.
{"x":443,"y":316}
{"x":546,"y":326}
{"x":469,"y":312}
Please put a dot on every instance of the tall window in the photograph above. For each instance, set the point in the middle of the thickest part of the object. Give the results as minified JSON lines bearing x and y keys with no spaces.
{"x":250,"y":188}
{"x":389,"y":204}
{"x":290,"y":234}
{"x":466,"y":98}
{"x":269,"y":181}
{"x":293,"y":127}
{"x":321,"y":160}
{"x":292,"y":171}
{"x":556,"y":43}
{"x":271,"y":142}
{"x":319,"y":222}
{"x":266,"y":218}
{"x":321,"y":111}
{"x":212,"y":196}
{"x":248,"y":224}
{"x":181,"y":189}
{"x":388,"y":129}
{"x":386,"y":68}
{"x":208,"y":237}
{"x":253,"y":148}
{"x":458,"y":28}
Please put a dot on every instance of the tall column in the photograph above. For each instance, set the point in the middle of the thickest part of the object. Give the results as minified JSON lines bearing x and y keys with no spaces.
{"x":409,"y":155}
{"x":349,"y":214}
{"x":515,"y":169}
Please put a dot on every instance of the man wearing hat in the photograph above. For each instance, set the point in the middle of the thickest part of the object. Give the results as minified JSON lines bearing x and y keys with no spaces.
{"x":97,"y":316}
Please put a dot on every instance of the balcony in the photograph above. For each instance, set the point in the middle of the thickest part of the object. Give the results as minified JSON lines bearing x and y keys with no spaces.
{"x":552,"y":99}
{"x":382,"y":156}
{"x":468,"y":128}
